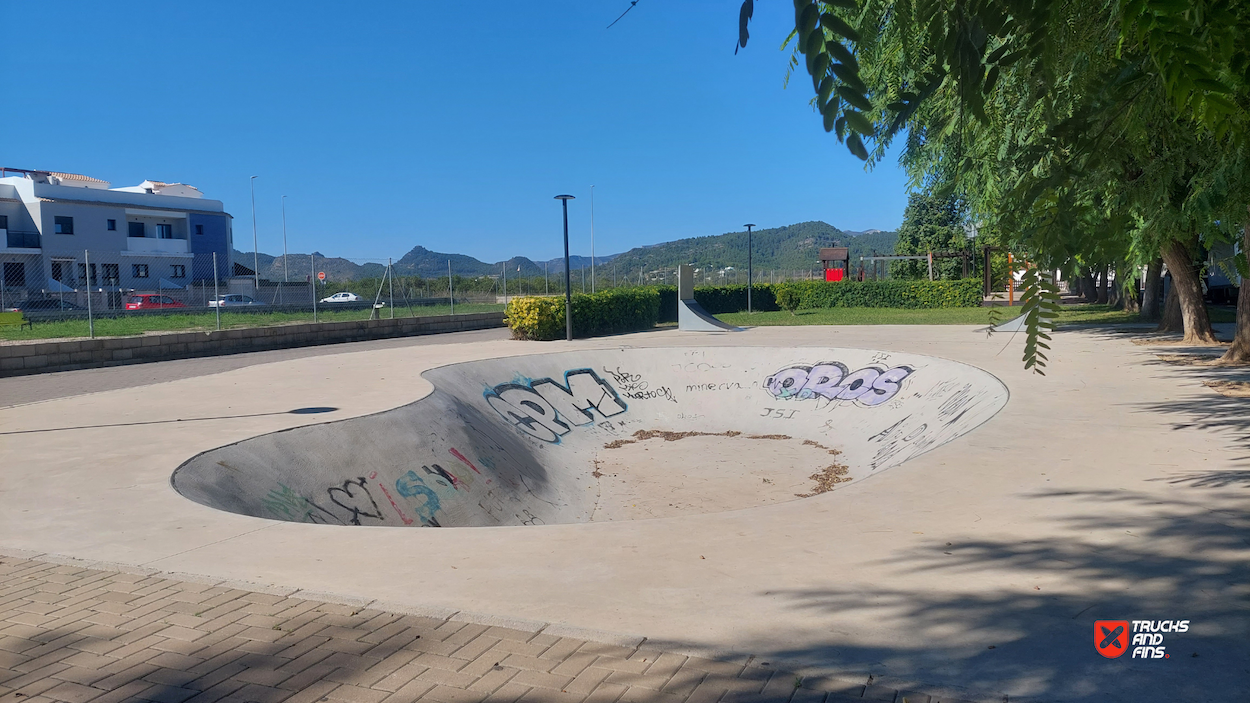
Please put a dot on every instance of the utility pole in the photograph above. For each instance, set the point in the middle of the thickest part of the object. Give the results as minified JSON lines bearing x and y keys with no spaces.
{"x":592,"y":239}
{"x":568,"y":282}
{"x":750,"y":270}
{"x":255,"y":246}
{"x":286,"y":278}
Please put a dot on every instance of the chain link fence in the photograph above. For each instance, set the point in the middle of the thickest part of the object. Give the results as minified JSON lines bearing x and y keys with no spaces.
{"x":109,"y":293}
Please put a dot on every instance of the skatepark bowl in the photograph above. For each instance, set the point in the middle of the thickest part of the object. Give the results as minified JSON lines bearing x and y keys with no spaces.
{"x":602,"y":435}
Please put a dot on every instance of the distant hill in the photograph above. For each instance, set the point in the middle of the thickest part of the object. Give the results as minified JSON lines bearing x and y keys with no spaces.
{"x":792,"y":248}
{"x":336,"y":269}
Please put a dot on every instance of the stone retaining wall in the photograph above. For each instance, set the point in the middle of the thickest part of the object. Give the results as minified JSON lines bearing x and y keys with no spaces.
{"x":18,"y":359}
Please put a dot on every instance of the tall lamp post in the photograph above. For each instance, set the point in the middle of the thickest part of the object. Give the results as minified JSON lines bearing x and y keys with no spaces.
{"x":568,"y":283}
{"x":285,"y":275}
{"x":750,"y":277}
{"x":592,"y":239}
{"x":255,"y":246}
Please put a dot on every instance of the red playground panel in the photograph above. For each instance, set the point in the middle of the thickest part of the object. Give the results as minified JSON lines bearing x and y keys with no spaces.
{"x":834,"y":274}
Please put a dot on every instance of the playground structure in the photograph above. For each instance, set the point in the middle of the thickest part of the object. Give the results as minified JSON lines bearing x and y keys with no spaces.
{"x":836,"y":262}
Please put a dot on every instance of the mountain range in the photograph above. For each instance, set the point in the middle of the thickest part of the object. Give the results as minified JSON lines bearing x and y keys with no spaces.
{"x":793,"y":247}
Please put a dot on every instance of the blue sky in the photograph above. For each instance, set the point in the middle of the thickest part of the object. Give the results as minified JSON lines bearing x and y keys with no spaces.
{"x":445,"y":124}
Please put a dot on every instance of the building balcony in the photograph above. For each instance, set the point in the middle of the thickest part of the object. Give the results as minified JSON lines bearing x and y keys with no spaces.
{"x":150,"y":245}
{"x":14,"y":239}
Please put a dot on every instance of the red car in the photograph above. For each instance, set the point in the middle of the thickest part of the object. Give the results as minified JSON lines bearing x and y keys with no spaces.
{"x":152,"y":301}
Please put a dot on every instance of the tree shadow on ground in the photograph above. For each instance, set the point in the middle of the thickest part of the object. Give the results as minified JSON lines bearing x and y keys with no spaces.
{"x":1126,"y":556}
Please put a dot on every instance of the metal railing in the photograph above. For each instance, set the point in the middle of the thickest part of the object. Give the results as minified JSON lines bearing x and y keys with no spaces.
{"x":16,"y":239}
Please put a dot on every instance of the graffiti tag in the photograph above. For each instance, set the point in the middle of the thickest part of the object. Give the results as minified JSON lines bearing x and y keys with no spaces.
{"x":546,"y":409}
{"x":868,"y":386}
{"x":634,"y":387}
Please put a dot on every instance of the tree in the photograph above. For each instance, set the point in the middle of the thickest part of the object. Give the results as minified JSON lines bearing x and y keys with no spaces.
{"x":931,"y":224}
{"x":1070,"y":125}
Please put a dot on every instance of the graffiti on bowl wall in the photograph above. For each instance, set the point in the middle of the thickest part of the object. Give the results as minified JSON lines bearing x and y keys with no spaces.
{"x":547,"y":409}
{"x":833,"y":381}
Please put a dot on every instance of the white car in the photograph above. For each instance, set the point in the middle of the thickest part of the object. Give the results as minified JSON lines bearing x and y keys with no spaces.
{"x":343,"y":297}
{"x":233,"y":301}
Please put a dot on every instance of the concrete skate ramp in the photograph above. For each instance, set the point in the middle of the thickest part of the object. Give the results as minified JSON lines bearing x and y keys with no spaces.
{"x":544,"y":439}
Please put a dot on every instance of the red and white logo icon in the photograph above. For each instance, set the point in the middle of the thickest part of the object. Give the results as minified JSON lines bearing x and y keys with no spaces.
{"x":1111,"y":637}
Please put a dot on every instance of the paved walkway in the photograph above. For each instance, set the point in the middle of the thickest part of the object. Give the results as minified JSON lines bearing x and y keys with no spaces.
{"x":79,"y":635}
{"x":1115,"y":487}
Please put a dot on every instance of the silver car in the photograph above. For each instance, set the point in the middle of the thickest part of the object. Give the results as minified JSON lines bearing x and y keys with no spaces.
{"x":234,"y":301}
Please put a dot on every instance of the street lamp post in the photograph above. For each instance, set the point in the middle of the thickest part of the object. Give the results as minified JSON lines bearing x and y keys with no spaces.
{"x":568,"y":283}
{"x":592,"y":239}
{"x":286,"y":278}
{"x":749,"y":269}
{"x":255,"y":246}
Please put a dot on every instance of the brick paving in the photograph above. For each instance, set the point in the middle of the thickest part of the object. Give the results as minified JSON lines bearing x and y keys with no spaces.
{"x":82,"y":635}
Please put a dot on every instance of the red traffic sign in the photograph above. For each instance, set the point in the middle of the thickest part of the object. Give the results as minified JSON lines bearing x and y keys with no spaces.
{"x":321,"y":275}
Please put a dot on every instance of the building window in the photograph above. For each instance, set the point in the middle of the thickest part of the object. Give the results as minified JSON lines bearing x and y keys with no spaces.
{"x":139,"y":270}
{"x":199,"y":229}
{"x":136,"y":229}
{"x":180,"y":271}
{"x":4,"y":221}
{"x":63,"y":271}
{"x":112,"y":227}
{"x":14,"y":274}
{"x":82,"y":275}
{"x":111,"y":275}
{"x":63,"y":225}
{"x":164,"y":231}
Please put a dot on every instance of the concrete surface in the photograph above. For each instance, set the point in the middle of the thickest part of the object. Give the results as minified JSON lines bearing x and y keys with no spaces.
{"x":514,"y":441}
{"x":1113,"y":488}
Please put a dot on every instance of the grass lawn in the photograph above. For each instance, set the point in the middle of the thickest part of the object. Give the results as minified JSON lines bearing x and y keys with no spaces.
{"x":197,"y":321}
{"x":1069,"y":314}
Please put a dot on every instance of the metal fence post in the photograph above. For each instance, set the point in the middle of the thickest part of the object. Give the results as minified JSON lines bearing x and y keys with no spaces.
{"x":312,"y":281}
{"x":451,"y":292}
{"x":86,"y":272}
{"x":216,"y":293}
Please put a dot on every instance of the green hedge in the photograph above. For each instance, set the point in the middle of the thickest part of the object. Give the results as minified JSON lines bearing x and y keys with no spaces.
{"x":720,"y":299}
{"x":609,"y":312}
{"x":808,"y":295}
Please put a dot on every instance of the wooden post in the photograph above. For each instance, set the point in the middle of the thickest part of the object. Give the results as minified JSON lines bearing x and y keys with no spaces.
{"x":1011,"y":282}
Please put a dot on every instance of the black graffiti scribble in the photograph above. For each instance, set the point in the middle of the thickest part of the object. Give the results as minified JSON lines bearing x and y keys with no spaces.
{"x":289,"y":505}
{"x":351,"y":496}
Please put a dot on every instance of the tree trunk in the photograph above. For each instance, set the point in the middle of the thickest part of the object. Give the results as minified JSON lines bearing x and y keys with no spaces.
{"x":1115,"y":296}
{"x":1089,"y":287}
{"x":1102,"y":285}
{"x":1239,"y":352}
{"x":1153,"y":293}
{"x":1126,"y":290}
{"x":1171,"y":321}
{"x":1188,"y":293}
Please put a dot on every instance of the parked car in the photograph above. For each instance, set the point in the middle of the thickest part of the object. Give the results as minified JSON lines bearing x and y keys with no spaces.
{"x":343,"y":297}
{"x":45,"y":305}
{"x":152,"y":301}
{"x":234,"y":301}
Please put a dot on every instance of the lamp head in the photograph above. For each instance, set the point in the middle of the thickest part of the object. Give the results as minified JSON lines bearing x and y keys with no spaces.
{"x":565,"y":197}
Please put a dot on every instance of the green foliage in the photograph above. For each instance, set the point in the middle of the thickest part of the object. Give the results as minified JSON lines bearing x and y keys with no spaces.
{"x":807,"y":295}
{"x":722,"y":299}
{"x":788,"y":299}
{"x":719,"y":300}
{"x":931,"y":223}
{"x":594,"y":314}
{"x":1041,"y":310}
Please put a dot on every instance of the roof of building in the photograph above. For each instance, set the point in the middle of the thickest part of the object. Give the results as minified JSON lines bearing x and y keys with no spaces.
{"x":75,"y":177}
